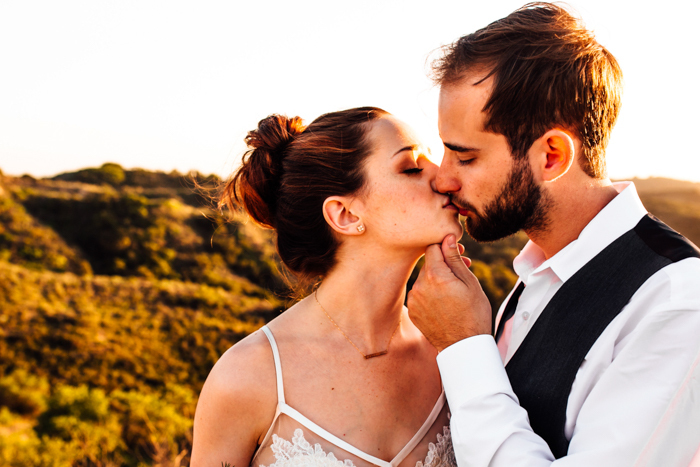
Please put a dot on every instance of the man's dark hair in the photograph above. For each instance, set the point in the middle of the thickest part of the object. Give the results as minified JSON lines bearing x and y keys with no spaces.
{"x":548,"y":71}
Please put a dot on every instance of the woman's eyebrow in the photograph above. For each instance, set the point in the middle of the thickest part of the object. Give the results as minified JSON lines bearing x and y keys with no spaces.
{"x":412,"y":147}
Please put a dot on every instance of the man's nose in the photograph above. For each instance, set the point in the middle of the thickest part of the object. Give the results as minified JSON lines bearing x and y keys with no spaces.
{"x":446,"y":181}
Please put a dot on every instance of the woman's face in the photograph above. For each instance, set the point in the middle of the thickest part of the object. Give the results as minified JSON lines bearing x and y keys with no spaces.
{"x":399,"y":205}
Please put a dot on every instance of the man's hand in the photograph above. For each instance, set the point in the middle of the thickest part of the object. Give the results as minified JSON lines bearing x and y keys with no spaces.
{"x":447,"y":303}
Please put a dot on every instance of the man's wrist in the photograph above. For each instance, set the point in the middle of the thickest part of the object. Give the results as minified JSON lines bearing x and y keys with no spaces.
{"x":455,"y":338}
{"x":472,"y":367}
{"x":458,"y":338}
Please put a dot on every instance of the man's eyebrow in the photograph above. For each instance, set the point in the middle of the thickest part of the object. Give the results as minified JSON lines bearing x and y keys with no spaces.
{"x":456,"y":148}
{"x":412,"y":147}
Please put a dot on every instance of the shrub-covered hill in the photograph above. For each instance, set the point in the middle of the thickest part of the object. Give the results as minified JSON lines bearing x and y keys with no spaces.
{"x":114,"y":332}
{"x":151,"y":231}
{"x":675,"y":202}
{"x":104,"y":370}
{"x":119,"y":290}
{"x":116,"y":300}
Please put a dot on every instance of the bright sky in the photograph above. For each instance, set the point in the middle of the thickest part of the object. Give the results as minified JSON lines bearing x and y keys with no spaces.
{"x":175,"y":85}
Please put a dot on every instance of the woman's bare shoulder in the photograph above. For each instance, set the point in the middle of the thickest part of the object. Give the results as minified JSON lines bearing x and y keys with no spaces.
{"x":247,"y":365}
{"x":237,"y":404}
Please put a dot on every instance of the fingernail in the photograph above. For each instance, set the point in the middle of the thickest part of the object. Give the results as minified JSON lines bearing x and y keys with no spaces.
{"x":452,"y":241}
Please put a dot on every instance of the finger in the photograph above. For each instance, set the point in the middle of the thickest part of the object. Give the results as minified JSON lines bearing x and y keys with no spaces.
{"x":467,"y":261}
{"x":454,"y":259}
{"x":433,"y":256}
{"x":460,"y":247}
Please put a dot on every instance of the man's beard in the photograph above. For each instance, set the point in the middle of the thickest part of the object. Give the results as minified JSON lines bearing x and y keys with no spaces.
{"x":521,"y":205}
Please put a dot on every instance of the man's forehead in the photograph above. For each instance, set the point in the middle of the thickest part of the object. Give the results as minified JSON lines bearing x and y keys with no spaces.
{"x":461,"y":105}
{"x":475,"y":84}
{"x":481,"y":77}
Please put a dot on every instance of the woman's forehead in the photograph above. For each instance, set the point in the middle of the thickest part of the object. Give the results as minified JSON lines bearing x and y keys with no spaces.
{"x":391,"y":135}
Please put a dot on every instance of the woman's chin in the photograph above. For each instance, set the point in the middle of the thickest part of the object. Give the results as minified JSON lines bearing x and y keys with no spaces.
{"x":455,"y":230}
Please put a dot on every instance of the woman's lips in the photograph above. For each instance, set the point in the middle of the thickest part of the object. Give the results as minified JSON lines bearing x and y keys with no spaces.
{"x":453,"y":207}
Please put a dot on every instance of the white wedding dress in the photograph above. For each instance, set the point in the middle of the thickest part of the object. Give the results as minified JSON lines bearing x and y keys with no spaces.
{"x":295,"y":441}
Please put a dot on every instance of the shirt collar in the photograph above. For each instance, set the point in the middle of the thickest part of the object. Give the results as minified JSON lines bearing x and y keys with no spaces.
{"x":619,"y":216}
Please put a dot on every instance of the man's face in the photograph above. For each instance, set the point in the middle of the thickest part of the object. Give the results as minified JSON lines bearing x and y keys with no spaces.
{"x":497,"y":194}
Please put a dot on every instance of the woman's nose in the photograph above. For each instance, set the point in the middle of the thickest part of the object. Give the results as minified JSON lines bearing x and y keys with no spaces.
{"x":430,"y":170}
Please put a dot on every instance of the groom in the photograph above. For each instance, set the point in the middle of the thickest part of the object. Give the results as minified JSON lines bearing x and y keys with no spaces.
{"x":601,"y":335}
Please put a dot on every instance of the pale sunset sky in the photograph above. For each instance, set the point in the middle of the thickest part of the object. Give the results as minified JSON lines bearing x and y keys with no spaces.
{"x":166,"y":85}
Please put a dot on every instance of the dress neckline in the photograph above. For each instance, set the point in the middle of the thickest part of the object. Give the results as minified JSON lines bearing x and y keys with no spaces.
{"x":284,"y":408}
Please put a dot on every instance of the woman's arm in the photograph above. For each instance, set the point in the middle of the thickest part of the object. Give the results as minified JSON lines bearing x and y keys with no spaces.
{"x":236,"y":406}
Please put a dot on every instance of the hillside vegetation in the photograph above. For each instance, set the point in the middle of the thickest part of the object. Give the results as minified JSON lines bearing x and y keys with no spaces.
{"x":119,"y":290}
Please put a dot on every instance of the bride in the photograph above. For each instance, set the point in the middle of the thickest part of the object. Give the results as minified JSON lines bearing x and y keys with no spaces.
{"x":342,"y":378}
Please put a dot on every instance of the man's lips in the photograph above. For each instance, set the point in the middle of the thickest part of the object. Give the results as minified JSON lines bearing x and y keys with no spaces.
{"x":464,"y":212}
{"x":452,"y":206}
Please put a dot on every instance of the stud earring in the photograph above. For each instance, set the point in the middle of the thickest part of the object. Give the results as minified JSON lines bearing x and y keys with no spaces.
{"x":360,"y":228}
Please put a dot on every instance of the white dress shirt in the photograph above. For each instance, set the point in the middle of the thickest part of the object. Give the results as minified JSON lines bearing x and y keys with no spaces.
{"x":636,"y":397}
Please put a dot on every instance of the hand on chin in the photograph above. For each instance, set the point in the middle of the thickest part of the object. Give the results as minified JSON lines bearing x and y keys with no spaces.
{"x":446,"y":302}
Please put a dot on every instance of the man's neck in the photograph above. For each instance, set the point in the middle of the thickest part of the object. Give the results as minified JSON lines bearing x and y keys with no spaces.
{"x":574,"y":207}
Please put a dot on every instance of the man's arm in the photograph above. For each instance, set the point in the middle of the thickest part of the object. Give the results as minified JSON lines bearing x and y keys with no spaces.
{"x":448,"y":305}
{"x":643,"y":410}
{"x":642,"y":400}
{"x":488,"y":425}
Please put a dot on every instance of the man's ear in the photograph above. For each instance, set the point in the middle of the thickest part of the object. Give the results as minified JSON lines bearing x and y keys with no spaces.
{"x":554,"y":153}
{"x":336,"y":211}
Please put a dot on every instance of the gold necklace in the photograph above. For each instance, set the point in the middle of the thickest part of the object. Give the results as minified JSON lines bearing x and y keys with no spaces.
{"x":368,"y":356}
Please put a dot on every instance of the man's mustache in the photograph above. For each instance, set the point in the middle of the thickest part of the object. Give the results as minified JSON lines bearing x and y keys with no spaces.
{"x":463,"y":204}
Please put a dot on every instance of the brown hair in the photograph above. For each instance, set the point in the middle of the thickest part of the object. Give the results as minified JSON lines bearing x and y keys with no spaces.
{"x":548,"y":70}
{"x":288,"y":172}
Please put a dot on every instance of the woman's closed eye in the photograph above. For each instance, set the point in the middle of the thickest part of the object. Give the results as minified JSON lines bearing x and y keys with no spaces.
{"x":413,"y":170}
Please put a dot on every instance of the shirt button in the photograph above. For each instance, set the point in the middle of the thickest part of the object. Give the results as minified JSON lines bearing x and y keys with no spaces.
{"x":526,"y":315}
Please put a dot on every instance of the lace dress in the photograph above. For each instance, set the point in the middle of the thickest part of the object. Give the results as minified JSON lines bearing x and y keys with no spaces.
{"x":295,"y":441}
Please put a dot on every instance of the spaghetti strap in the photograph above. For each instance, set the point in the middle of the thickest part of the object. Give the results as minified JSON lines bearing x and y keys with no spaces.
{"x":292,"y":449}
{"x":278,"y":365}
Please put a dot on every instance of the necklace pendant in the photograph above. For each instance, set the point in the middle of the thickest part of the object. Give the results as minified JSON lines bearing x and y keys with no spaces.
{"x":376,"y":354}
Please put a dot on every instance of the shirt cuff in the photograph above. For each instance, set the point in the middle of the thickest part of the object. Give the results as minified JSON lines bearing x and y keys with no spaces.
{"x":472,"y":368}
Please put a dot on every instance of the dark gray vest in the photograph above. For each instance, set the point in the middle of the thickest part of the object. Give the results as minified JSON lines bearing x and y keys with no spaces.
{"x":543,"y":368}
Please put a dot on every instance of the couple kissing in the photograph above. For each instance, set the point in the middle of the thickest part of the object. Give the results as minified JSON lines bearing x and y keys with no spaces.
{"x":593,"y":358}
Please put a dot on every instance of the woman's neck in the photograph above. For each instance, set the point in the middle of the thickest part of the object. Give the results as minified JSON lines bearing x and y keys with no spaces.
{"x":364,"y":295}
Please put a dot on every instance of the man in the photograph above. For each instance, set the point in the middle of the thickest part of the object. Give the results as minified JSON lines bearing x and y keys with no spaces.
{"x":601,"y":335}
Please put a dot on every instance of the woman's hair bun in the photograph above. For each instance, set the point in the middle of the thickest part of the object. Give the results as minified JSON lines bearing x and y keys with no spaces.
{"x":257,"y":182}
{"x":274,"y":133}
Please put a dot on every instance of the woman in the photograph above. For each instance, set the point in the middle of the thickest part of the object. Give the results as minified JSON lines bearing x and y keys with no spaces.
{"x":343,"y":374}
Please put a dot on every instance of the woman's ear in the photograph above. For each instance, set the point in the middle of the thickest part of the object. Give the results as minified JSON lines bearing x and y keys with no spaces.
{"x":554,"y":154}
{"x":336,"y":211}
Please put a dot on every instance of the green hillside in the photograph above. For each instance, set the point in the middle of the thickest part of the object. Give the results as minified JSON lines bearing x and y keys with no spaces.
{"x":118,"y":293}
{"x":119,"y":289}
{"x":677,"y":203}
